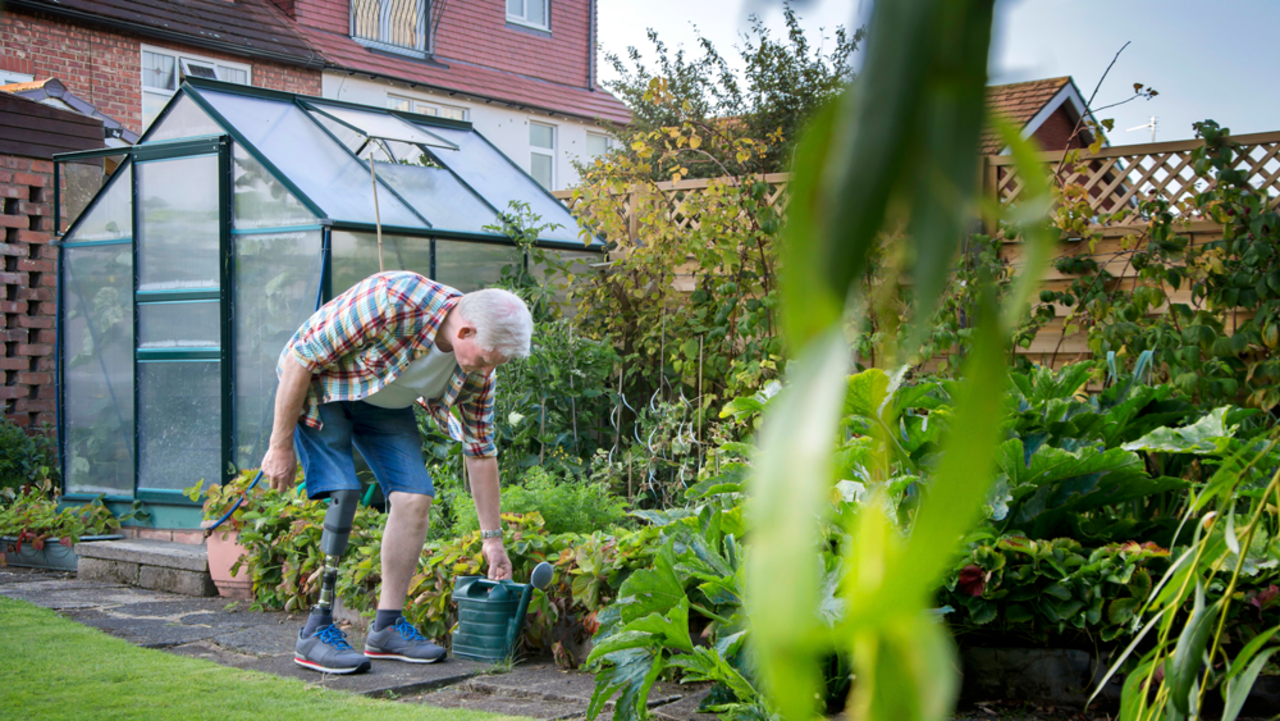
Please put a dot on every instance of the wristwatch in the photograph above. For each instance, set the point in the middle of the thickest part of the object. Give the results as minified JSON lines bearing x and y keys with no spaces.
{"x":496,"y":533}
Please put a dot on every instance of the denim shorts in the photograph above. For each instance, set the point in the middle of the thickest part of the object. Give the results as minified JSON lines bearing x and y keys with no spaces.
{"x":387,"y":439}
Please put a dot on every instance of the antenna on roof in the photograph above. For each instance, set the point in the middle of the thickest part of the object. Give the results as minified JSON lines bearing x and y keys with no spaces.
{"x":1151,"y":125}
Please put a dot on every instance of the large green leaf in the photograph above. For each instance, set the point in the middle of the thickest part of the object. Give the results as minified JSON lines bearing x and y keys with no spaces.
{"x":1200,"y":438}
{"x":791,"y":488}
{"x":631,"y":674}
{"x":655,"y":590}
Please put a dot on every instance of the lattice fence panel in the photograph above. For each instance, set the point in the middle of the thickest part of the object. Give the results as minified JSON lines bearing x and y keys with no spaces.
{"x":1120,"y":178}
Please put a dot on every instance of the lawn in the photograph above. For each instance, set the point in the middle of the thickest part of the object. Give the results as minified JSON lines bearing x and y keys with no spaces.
{"x":57,"y":669}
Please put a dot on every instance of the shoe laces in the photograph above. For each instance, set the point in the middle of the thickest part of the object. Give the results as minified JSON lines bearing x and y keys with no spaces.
{"x":330,"y":635}
{"x":407,"y":631}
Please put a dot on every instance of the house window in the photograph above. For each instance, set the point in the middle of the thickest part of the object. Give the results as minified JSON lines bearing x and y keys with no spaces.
{"x":542,"y":154}
{"x":409,"y":105}
{"x":163,"y":71}
{"x":398,"y":26}
{"x":598,"y":144}
{"x":534,"y":13}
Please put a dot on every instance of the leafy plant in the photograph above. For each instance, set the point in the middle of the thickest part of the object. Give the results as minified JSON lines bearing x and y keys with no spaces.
{"x":25,"y":458}
{"x":566,"y":504}
{"x":31,"y":515}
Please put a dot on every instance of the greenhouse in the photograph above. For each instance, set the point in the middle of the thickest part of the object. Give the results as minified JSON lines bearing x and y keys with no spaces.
{"x":235,"y":216}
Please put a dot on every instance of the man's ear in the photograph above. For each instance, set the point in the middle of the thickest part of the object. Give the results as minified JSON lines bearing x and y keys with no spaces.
{"x":467,"y":331}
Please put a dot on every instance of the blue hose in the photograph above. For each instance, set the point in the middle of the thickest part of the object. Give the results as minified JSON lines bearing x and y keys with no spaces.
{"x":209,"y":531}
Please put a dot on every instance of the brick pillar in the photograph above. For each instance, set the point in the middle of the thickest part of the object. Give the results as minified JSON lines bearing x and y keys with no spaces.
{"x":28,"y":281}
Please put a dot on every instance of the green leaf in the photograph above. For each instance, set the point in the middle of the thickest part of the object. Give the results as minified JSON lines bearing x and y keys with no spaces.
{"x":1238,"y":688}
{"x":1197,"y":438}
{"x":791,"y":487}
{"x":656,"y":590}
{"x":1183,"y":667}
{"x":631,"y":675}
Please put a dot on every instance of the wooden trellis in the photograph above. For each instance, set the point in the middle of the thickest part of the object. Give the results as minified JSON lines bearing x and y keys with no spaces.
{"x":1119,"y":177}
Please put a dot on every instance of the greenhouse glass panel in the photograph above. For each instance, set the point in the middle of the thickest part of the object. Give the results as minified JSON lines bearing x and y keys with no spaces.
{"x":472,"y":266}
{"x":277,"y":281}
{"x":262,"y":201}
{"x":179,"y":324}
{"x":185,"y":119}
{"x":301,"y":150}
{"x":97,"y":367}
{"x":383,"y":125}
{"x":355,"y":256}
{"x":439,"y":196}
{"x":110,"y":216}
{"x":178,"y":240}
{"x":492,"y":174}
{"x":81,"y":181}
{"x":180,"y":434}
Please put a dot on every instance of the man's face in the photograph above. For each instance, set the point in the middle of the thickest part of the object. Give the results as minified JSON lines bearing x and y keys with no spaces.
{"x":470,"y":356}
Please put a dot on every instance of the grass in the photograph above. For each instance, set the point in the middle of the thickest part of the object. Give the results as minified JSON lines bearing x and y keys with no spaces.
{"x":53,"y":668}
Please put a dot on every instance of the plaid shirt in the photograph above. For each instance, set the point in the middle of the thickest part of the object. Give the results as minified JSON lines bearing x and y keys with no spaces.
{"x":363,"y":339}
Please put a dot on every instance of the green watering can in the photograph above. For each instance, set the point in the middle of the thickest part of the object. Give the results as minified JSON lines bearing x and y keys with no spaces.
{"x":491,"y":614}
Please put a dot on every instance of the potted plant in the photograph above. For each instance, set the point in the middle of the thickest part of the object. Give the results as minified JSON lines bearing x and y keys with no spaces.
{"x":223,"y":544}
{"x":34,"y":533}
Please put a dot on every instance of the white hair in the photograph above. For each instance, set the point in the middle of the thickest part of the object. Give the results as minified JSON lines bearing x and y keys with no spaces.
{"x":502,"y":321}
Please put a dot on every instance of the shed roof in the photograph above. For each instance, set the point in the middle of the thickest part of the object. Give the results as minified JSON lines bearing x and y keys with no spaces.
{"x":435,"y":177}
{"x":51,"y":92}
{"x":33,"y":130}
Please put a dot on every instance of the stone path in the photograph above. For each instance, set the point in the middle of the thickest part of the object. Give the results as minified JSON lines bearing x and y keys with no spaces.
{"x":229,"y":634}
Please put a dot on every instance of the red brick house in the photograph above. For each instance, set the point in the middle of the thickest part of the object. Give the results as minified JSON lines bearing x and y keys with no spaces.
{"x":1046,"y":110}
{"x":522,"y":71}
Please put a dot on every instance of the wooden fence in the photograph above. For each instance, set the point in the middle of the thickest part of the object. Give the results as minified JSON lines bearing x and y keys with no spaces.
{"x":1116,"y":178}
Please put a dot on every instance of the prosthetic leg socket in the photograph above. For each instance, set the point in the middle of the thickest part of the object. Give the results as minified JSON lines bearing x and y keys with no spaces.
{"x":333,"y":542}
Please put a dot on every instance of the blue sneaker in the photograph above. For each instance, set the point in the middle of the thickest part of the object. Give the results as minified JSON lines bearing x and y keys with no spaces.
{"x":327,"y":651}
{"x":401,"y":642}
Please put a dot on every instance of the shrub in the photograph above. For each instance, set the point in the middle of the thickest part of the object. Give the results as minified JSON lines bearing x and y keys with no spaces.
{"x":31,"y":515}
{"x":25,"y":458}
{"x":567,"y":505}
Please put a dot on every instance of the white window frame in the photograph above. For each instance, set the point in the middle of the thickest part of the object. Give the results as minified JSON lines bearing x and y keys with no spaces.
{"x":547,"y":152}
{"x":178,"y":61}
{"x":523,"y":19}
{"x":8,"y":78}
{"x":609,"y":143}
{"x":429,"y":107}
{"x":384,"y":22}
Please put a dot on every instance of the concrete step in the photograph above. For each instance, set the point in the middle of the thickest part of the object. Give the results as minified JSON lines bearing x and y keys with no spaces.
{"x":158,"y":565}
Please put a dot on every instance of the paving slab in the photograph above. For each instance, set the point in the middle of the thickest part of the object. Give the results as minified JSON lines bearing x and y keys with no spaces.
{"x":491,"y":703}
{"x":147,"y":552}
{"x":686,"y":708}
{"x":385,"y":678}
{"x":544,"y":680}
{"x":266,"y":639}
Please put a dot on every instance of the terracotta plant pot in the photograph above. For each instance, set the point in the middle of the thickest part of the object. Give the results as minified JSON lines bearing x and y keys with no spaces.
{"x":223,"y":551}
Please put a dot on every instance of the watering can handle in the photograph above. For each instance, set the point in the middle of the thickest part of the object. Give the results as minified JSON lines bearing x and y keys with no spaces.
{"x":486,"y":583}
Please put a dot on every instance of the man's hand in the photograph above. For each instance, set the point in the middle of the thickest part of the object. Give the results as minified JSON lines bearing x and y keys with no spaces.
{"x":280,"y":466}
{"x":495,"y":554}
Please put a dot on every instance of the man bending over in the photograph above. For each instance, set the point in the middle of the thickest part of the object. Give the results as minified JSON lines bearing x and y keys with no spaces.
{"x":348,"y":379}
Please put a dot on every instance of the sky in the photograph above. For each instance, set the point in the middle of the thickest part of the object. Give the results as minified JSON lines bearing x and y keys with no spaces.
{"x":1209,"y":59}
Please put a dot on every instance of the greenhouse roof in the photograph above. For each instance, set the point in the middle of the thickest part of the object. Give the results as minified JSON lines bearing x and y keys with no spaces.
{"x":433,"y":177}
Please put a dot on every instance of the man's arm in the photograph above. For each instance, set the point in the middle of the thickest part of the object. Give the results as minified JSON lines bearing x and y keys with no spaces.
{"x":280,"y":465}
{"x":483,"y":472}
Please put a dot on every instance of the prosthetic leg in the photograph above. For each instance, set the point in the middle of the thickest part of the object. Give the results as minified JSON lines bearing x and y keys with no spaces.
{"x":321,"y":646}
{"x":333,"y":543}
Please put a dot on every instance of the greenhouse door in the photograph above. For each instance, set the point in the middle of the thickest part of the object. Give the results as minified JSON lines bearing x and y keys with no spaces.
{"x":182,"y":308}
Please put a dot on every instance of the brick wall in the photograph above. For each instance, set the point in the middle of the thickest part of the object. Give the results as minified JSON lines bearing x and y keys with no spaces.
{"x":28,"y":282}
{"x":1056,"y":130}
{"x":104,"y":67}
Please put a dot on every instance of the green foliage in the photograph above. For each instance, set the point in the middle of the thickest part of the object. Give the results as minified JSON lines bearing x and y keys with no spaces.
{"x":26,"y":458}
{"x":566,"y":504}
{"x":30,"y":514}
{"x":1219,"y":348}
{"x":782,"y":82}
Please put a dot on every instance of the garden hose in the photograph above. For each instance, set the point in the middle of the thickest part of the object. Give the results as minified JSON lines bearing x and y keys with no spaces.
{"x":209,"y":531}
